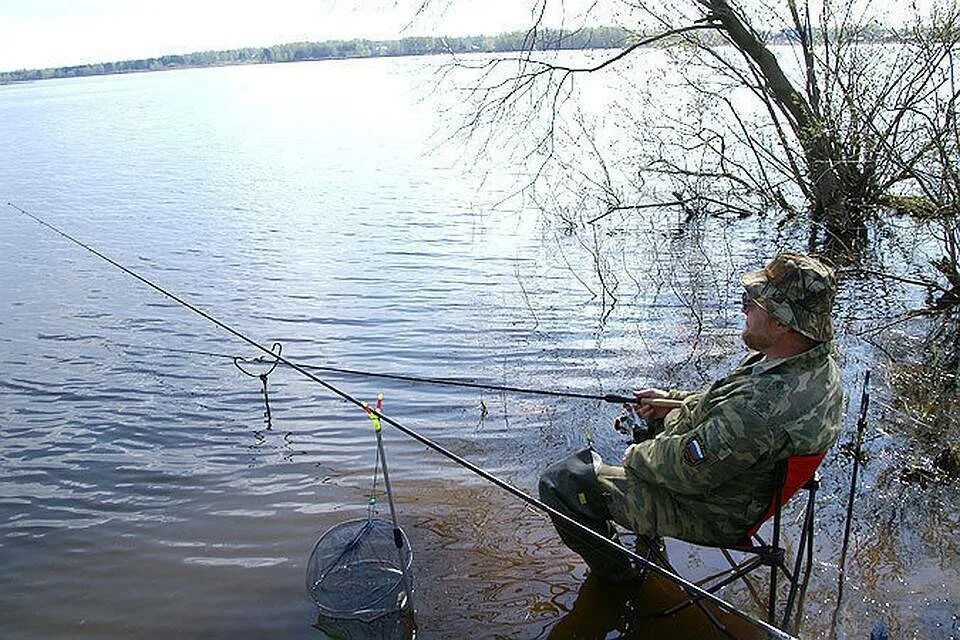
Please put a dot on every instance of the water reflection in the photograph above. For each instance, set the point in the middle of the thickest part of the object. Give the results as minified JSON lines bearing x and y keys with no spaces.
{"x":632,"y":612}
{"x":400,"y":625}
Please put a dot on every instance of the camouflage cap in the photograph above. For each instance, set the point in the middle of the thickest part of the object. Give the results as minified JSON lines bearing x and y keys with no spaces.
{"x":797,"y":290}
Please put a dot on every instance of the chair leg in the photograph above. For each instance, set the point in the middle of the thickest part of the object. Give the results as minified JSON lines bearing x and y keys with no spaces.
{"x":739,"y":572}
{"x":772,"y":601}
{"x":734,"y":566}
{"x":692,"y":599}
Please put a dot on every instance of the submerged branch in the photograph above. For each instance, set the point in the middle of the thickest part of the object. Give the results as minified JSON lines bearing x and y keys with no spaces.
{"x":639,"y":207}
{"x":929,"y":284}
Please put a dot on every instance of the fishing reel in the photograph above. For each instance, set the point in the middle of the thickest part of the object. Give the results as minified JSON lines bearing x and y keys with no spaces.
{"x":630,"y":424}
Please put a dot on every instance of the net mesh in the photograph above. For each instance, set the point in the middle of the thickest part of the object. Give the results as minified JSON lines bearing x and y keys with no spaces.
{"x":356,"y":570}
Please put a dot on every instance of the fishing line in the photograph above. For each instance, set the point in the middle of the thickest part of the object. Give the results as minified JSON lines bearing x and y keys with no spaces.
{"x":690,"y":588}
{"x":469,"y":384}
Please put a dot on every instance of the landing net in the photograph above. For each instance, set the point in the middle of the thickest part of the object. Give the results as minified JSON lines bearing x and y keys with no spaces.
{"x":356,"y":570}
{"x":360,"y":569}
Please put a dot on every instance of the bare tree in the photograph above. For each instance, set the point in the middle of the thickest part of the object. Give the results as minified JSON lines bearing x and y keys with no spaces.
{"x":820,"y":111}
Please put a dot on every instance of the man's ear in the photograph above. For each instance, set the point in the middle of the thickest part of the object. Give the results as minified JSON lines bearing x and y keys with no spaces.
{"x":780,"y":328}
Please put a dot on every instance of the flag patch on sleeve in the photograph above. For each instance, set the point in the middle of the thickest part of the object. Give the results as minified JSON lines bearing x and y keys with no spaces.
{"x":693,"y":452}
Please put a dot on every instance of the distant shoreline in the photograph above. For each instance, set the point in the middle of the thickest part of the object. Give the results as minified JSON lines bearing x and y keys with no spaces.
{"x":514,"y":41}
{"x":547,"y":40}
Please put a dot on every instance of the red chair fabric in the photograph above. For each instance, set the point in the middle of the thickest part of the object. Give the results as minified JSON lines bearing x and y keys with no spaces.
{"x":799,"y":471}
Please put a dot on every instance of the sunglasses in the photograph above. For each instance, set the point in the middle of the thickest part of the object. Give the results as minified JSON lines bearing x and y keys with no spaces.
{"x":747,"y":302}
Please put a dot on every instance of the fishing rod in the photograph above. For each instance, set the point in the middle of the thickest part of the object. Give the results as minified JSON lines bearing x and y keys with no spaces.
{"x":609,"y":397}
{"x":857,"y":452}
{"x":690,"y":588}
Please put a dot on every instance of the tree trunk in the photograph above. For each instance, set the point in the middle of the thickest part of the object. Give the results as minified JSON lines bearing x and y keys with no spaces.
{"x":838,"y":225}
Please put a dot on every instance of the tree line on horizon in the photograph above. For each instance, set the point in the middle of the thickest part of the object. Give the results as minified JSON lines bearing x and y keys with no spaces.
{"x":586,"y":38}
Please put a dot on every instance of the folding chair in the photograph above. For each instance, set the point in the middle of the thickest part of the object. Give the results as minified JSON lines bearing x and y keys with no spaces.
{"x":795,"y":473}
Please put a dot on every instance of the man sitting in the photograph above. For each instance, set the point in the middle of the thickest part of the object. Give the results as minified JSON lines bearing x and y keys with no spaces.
{"x":709,"y":472}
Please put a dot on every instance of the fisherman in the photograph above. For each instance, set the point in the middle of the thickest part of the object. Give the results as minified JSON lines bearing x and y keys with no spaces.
{"x":708,"y":473}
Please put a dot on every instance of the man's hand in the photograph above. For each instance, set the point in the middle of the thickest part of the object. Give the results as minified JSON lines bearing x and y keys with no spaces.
{"x":646,"y":411}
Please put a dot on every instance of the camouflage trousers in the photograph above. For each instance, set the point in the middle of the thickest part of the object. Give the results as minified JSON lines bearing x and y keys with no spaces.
{"x":596,"y":495}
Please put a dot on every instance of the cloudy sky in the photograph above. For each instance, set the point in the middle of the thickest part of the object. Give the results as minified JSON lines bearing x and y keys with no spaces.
{"x":47,"y":33}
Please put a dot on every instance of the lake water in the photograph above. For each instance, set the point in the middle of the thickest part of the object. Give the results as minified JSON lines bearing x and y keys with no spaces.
{"x":141,"y":494}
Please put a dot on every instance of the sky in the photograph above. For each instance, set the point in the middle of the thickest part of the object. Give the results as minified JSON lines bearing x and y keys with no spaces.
{"x":53,"y":33}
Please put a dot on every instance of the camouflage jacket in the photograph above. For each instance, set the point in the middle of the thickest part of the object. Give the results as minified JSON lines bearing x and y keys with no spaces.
{"x":711,"y":470}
